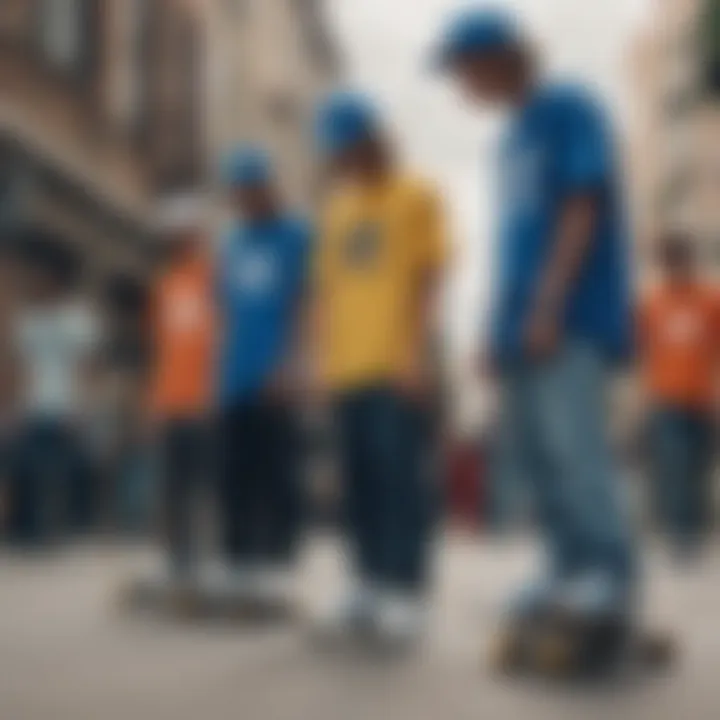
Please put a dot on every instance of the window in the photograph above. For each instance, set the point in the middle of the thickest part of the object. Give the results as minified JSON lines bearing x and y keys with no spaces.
{"x":172,"y":128}
{"x":15,"y":21}
{"x":710,"y":47}
{"x":61,"y":33}
{"x":68,"y":36}
{"x":131,"y":89}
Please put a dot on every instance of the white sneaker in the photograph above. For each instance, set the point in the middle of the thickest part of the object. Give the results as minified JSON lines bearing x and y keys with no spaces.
{"x":352,"y":618}
{"x":214,"y":578}
{"x":401,"y":620}
{"x":166,"y":576}
{"x":275,"y":585}
{"x":242,"y":582}
{"x":155,"y":586}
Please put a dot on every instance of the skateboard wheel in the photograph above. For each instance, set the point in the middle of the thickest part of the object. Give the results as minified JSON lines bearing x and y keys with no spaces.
{"x":555,"y":654}
{"x":508,"y":652}
{"x":657,"y":650}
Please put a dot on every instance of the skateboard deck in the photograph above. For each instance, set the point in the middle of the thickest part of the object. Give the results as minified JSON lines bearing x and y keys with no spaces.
{"x":194,"y":602}
{"x":565,"y":652}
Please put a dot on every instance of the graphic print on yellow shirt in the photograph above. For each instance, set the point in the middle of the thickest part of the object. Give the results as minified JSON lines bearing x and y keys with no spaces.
{"x":376,"y":248}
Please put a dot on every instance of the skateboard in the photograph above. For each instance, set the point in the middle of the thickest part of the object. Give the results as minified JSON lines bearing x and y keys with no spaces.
{"x":156,"y":597}
{"x":560,"y":646}
{"x":227,"y":605}
{"x":190,"y":601}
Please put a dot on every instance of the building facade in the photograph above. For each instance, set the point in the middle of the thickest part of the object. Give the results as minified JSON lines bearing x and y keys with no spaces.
{"x":676,"y":136}
{"x":268,"y":62}
{"x":98,"y":113}
{"x":105,"y":105}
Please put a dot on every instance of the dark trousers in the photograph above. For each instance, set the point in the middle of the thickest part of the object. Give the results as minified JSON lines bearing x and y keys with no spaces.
{"x":51,"y":485}
{"x":383,"y":455}
{"x":681,"y":442}
{"x":185,"y":464}
{"x":260,"y":497}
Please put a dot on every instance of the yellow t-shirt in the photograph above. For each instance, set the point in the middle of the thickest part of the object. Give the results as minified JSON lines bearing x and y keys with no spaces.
{"x":377,"y":246}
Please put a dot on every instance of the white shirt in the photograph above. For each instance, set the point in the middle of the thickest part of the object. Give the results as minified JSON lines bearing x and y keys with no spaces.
{"x":53,"y":343}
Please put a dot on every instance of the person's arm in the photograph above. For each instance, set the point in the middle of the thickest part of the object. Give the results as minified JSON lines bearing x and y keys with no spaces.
{"x":285,"y":382}
{"x":573,"y":241}
{"x":314,"y":320}
{"x":430,"y":236}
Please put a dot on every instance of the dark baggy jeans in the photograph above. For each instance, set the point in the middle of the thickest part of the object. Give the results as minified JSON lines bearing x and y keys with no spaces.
{"x":259,"y":482}
{"x":50,"y":483}
{"x":186,"y":464}
{"x":383,"y":451}
{"x":681,"y":442}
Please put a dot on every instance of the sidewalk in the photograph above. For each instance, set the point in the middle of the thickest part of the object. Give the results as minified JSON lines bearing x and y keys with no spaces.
{"x":66,"y":654}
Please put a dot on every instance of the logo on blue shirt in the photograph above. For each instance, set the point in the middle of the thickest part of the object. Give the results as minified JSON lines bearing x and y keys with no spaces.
{"x":362,"y":245}
{"x":262,"y":277}
{"x":256,"y":272}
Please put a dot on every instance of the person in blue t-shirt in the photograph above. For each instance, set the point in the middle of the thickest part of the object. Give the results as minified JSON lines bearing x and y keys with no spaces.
{"x":260,"y":283}
{"x":561,"y":317}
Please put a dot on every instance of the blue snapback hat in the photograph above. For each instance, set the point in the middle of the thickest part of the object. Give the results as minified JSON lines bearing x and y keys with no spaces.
{"x":475,"y":31}
{"x":343,"y":120}
{"x":246,"y":166}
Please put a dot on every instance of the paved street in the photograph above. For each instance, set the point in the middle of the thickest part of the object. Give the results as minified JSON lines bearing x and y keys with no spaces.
{"x":67,"y":654}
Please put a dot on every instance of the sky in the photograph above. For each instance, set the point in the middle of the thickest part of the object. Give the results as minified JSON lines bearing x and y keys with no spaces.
{"x":384,"y":43}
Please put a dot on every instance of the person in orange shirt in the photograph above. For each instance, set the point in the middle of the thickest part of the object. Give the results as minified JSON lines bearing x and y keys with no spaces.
{"x":680,"y":348}
{"x":182,"y":339}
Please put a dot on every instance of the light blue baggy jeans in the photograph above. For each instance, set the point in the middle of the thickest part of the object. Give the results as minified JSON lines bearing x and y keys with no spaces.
{"x":556,"y":412}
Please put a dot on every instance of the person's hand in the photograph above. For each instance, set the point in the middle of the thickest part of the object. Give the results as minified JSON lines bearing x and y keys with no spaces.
{"x":283,"y":386}
{"x":315,"y":390}
{"x":542,"y":335}
{"x":278,"y":388}
{"x":413,"y":380}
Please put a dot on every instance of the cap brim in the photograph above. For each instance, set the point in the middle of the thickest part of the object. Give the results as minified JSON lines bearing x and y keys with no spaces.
{"x":333,"y":147}
{"x":443,"y":59}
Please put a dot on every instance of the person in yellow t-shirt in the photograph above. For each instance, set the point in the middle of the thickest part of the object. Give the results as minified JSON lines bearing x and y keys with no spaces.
{"x":380,"y":256}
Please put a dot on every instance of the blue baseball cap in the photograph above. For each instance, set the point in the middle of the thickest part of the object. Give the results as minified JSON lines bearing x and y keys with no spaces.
{"x":343,"y":120}
{"x":476,"y":31}
{"x":247,"y":166}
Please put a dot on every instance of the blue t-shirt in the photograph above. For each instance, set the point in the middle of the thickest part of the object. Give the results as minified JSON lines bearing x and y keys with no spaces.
{"x":558,"y":145}
{"x":260,"y":283}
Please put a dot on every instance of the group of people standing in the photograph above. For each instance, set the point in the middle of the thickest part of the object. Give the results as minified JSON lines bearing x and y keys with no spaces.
{"x":340,"y":316}
{"x":339,"y":313}
{"x":343,"y":311}
{"x":224,"y":403}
